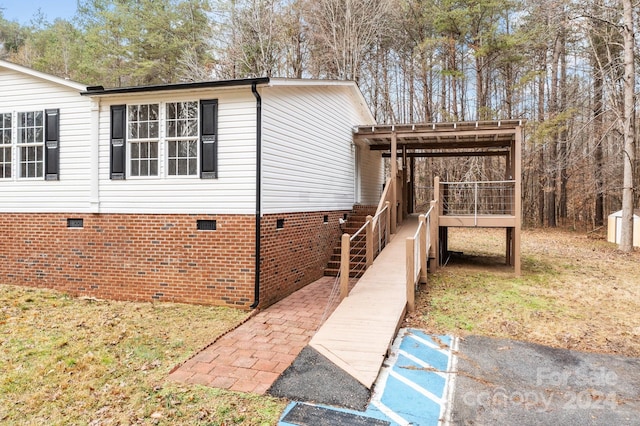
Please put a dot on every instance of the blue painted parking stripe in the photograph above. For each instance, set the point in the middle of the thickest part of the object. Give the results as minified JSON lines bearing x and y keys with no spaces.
{"x":413,"y":406}
{"x":428,"y":340}
{"x":420,"y":363}
{"x":415,"y":385}
{"x":426,"y":384}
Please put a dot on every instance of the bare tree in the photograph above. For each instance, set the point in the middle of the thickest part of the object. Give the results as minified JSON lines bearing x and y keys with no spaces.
{"x":342,"y":31}
{"x":628,"y":126}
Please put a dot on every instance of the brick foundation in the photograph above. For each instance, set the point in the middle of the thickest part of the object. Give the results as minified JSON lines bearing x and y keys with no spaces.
{"x":297,"y":254}
{"x":165,"y":257}
{"x":132,"y":257}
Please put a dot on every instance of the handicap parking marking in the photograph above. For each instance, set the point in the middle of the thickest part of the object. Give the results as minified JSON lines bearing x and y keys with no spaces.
{"x":416,"y":382}
{"x":415,"y":385}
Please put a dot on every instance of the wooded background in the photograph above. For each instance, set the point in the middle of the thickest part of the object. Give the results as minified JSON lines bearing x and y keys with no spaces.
{"x":559,"y":64}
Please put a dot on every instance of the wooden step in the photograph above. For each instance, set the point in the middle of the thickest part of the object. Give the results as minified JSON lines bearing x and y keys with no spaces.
{"x":333,"y":272}
{"x":355,"y":265}
{"x":355,"y":220}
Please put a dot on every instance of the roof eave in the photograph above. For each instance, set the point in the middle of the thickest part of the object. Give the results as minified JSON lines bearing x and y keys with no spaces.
{"x":44,"y":76}
{"x":101,"y":91}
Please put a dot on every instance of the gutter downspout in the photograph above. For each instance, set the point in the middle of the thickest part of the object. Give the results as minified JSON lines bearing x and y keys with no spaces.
{"x":256,"y":290}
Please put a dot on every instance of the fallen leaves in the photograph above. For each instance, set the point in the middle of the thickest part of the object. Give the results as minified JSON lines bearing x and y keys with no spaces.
{"x":85,"y":361}
{"x":575,"y":292}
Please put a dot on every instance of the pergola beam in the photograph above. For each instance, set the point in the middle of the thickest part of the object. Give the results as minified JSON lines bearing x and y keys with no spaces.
{"x":452,"y":154}
{"x":443,"y":144}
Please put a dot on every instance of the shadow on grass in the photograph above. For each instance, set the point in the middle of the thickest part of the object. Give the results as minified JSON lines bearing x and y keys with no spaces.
{"x":492,"y":263}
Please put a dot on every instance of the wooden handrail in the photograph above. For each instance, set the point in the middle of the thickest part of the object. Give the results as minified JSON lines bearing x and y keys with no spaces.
{"x":386,"y":196}
{"x":370,"y":227}
{"x":417,"y":252}
{"x":345,"y":265}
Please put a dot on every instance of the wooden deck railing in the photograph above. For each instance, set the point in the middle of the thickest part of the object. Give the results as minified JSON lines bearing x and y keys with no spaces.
{"x":478,"y":198}
{"x":376,"y":236}
{"x":418,"y":251}
{"x":375,"y":233}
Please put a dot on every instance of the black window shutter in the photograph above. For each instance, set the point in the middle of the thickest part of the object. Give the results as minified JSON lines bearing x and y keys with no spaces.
{"x":118,"y":138}
{"x":209,"y":139}
{"x":52,"y":144}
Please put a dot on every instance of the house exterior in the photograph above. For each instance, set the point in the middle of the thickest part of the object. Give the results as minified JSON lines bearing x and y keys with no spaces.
{"x":221,"y":192}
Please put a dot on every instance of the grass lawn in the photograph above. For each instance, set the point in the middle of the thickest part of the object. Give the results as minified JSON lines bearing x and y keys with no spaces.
{"x":575,"y":292}
{"x":80,"y":361}
{"x":71,"y":360}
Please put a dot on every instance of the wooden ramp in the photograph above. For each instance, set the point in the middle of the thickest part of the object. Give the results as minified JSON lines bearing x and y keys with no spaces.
{"x":358,"y":334}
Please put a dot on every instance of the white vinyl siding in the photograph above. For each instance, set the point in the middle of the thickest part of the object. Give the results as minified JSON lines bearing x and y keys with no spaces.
{"x":307,"y":162}
{"x":308,"y":157}
{"x":371,"y":176}
{"x":233,"y":192}
{"x":23,"y":93}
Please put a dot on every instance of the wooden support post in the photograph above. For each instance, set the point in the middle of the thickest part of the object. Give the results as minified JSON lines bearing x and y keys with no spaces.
{"x":411,"y":291}
{"x":405,"y":204}
{"x":399,"y":199}
{"x":387,"y":204}
{"x":435,"y":224}
{"x":509,"y":247}
{"x":345,"y":265}
{"x":412,"y":186}
{"x":369,"y":240}
{"x":436,"y":194}
{"x":517,"y":167}
{"x":443,"y":231}
{"x":394,"y":181}
{"x":433,"y":250}
{"x":422,"y":221}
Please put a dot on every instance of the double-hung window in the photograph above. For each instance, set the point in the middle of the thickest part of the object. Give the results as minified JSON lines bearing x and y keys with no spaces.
{"x":164,"y":139}
{"x":5,"y":145}
{"x":182,"y":138}
{"x":31,"y":144}
{"x":144,"y":135}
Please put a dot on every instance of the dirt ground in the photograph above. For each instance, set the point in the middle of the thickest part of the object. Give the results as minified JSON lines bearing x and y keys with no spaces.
{"x":576,"y":291}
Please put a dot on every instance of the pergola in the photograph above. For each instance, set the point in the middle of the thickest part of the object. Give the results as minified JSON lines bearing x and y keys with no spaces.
{"x":459,"y":139}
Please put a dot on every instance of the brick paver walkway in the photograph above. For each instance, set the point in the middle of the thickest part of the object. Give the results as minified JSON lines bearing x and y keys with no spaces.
{"x":251,"y":357}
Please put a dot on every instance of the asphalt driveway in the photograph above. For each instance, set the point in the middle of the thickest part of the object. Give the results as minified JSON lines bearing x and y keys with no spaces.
{"x":442,"y":380}
{"x":506,"y":382}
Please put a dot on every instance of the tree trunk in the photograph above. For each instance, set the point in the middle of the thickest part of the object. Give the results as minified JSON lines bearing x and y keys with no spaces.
{"x":563,"y":147}
{"x":541,"y":174}
{"x":552,"y":158}
{"x":598,"y":96}
{"x":628,"y":117}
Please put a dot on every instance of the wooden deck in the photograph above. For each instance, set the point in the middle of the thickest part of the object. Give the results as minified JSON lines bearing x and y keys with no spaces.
{"x":357,"y":336}
{"x":480,"y":221}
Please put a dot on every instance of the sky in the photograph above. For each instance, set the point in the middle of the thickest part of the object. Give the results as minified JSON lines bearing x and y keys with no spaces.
{"x":24,"y":10}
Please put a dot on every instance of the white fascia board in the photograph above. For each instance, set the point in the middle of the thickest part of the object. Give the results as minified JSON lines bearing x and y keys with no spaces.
{"x":44,"y":76}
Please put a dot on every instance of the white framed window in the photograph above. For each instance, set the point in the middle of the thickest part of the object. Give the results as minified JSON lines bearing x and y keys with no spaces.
{"x":143,"y":132}
{"x":5,"y":145}
{"x":173,"y":139}
{"x":182,"y":135}
{"x":30,"y":128}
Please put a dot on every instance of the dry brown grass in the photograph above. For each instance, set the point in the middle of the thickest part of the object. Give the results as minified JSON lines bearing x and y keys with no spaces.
{"x":77,"y":361}
{"x":576,"y":291}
